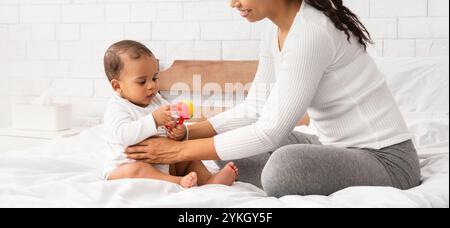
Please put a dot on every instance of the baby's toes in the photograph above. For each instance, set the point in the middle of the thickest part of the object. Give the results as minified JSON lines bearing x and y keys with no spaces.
{"x":233,"y":166}
{"x":194,"y":177}
{"x":191,"y":179}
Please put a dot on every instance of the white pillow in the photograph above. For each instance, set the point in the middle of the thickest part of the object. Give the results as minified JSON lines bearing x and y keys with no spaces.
{"x":418,"y":84}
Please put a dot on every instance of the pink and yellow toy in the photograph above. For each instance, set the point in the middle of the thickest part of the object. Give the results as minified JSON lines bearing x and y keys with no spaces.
{"x":185,"y":110}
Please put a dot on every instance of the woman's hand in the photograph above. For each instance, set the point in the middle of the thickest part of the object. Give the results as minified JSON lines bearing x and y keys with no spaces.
{"x":156,"y":151}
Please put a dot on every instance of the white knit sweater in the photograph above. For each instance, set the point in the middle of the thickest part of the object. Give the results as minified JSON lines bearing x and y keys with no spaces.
{"x":319,"y":72}
{"x":127,"y":125}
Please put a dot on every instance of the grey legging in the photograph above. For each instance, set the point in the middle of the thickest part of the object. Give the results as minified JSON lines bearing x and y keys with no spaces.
{"x":305,"y":167}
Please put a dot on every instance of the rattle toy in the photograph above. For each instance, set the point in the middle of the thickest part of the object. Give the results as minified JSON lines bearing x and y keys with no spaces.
{"x":185,"y":110}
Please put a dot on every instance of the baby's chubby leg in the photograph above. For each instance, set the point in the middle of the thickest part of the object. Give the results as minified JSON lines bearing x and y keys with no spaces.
{"x":141,"y":170}
{"x":197,"y":167}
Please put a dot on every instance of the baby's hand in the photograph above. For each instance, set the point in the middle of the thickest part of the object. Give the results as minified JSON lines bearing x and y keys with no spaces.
{"x":162,"y":116}
{"x":177,"y":133}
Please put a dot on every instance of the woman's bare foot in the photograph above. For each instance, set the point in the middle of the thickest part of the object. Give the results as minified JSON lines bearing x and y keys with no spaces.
{"x":189,"y":180}
{"x":226,"y":176}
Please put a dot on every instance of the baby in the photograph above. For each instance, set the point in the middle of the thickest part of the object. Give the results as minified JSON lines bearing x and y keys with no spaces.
{"x":136,"y":112}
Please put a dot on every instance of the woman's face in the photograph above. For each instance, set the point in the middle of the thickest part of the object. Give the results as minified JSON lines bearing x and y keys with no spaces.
{"x":255,"y":10}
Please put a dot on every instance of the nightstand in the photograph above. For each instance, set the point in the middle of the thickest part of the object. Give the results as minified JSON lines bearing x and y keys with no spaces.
{"x":12,"y":139}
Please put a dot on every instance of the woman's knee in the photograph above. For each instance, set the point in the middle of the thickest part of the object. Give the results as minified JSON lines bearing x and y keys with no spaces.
{"x":285,"y":172}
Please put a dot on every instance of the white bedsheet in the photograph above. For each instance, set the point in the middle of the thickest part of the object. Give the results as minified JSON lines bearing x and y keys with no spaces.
{"x":67,"y":173}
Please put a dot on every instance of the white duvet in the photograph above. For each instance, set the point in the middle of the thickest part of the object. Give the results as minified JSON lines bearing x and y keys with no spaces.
{"x":67,"y":173}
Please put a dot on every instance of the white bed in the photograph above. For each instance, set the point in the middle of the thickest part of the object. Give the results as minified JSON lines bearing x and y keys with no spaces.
{"x":67,"y":172}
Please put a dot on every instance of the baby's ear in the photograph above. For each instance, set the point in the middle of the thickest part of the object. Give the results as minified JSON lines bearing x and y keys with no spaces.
{"x":116,"y":86}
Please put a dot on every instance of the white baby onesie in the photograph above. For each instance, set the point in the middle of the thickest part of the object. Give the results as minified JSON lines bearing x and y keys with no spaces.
{"x":129,"y":124}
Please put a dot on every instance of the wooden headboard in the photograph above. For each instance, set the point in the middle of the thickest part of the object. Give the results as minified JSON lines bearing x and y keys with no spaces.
{"x":219,"y":72}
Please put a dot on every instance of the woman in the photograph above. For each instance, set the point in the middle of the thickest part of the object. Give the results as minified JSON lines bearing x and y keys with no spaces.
{"x":315,"y":57}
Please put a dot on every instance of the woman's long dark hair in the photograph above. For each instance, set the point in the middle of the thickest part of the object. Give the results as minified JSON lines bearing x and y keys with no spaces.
{"x":343,"y":18}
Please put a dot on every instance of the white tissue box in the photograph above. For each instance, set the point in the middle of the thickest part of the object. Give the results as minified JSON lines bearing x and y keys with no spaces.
{"x":55,"y":117}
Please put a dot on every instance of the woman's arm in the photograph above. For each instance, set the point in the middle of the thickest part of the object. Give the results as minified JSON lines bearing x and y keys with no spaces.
{"x":199,"y":149}
{"x":166,"y":151}
{"x":204,"y":129}
{"x":201,"y":130}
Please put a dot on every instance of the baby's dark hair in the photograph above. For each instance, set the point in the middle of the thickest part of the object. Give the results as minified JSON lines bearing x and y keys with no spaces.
{"x":113,"y":61}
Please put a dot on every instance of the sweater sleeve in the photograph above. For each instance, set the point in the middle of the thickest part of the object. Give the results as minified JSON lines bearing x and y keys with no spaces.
{"x":127,"y":130}
{"x":307,"y":55}
{"x":249,"y":110}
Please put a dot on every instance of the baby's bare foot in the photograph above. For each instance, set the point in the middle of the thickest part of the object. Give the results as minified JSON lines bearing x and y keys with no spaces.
{"x":226,"y":176}
{"x":189,"y":180}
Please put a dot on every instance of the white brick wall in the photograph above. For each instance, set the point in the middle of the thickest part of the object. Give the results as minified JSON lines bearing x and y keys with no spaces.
{"x":60,"y":43}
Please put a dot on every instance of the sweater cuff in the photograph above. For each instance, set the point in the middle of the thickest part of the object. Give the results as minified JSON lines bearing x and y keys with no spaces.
{"x":240,"y":143}
{"x":149,"y":127}
{"x":216,"y":122}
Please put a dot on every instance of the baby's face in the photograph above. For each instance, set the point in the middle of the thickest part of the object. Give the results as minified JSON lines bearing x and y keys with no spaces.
{"x":139,"y":80}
